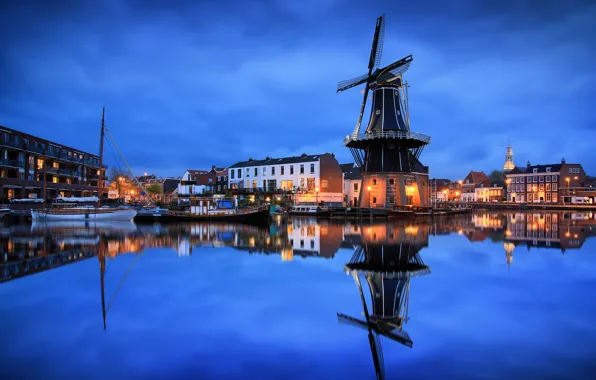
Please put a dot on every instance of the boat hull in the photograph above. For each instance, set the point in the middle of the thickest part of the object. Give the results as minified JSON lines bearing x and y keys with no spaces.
{"x":306,"y":213}
{"x":116,"y":215}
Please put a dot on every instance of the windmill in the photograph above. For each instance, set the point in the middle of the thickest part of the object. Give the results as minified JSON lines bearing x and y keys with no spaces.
{"x":387,"y":150}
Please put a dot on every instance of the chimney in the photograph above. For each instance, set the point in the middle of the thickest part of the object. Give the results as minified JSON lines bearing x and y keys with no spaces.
{"x":563,"y":160}
{"x":529,"y":164}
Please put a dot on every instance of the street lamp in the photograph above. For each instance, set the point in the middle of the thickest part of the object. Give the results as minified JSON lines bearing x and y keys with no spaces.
{"x":567,"y":179}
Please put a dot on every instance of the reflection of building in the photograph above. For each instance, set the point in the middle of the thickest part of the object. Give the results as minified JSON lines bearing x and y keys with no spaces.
{"x":312,"y":237}
{"x":545,"y":230}
{"x":386,"y":260}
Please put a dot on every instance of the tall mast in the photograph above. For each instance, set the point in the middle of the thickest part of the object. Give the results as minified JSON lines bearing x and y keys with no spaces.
{"x":100,"y":180}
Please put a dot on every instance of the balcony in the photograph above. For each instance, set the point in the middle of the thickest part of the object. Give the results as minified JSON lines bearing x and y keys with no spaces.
{"x":46,"y":152}
{"x":12,"y":163}
{"x":413,"y":137}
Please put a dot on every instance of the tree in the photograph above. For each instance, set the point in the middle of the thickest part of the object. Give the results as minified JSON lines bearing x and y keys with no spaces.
{"x":154,"y":189}
{"x":118,"y":180}
{"x":498,"y":177}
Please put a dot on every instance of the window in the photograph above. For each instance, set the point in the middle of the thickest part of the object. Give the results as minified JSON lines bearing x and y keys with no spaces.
{"x":535,"y":170}
{"x":39,"y":164}
{"x":548,"y":197}
{"x":535,"y":179}
{"x":312,"y":168}
{"x":273,"y":170}
{"x":264,"y":184}
{"x":548,"y":170}
{"x":302,"y":169}
{"x":247,"y":172}
{"x":530,"y":197}
{"x":554,"y":187}
{"x":374,"y":181}
{"x":391,"y":199}
{"x":312,"y":244}
{"x":570,"y":170}
{"x":55,"y":179}
{"x":541,"y":187}
{"x":324,"y":184}
{"x":256,"y":172}
{"x":291,"y":169}
{"x":576,"y":170}
{"x":547,"y":178}
{"x":210,"y":180}
{"x":541,"y":178}
{"x":392,"y":181}
{"x":374,"y":200}
{"x":529,"y":187}
{"x":355,"y":186}
{"x":232,"y":175}
{"x":554,"y":178}
{"x":529,"y":180}
{"x":239,"y":172}
{"x":264,"y":170}
{"x":548,"y":187}
{"x":282,"y":170}
{"x":301,"y":243}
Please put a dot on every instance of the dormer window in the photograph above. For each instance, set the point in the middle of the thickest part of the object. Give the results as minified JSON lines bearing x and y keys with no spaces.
{"x":535,"y":170}
{"x":548,"y":170}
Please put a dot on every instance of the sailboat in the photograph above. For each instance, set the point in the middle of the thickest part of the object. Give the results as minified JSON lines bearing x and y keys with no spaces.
{"x":84,"y":208}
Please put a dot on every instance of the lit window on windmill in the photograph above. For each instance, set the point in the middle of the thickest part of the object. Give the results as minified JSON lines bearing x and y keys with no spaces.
{"x":377,"y":112}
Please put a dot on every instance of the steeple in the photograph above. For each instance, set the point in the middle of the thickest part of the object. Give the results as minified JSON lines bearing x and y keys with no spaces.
{"x":509,"y":165}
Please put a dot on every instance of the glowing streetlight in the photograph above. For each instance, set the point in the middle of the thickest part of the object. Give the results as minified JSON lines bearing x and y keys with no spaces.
{"x":369,"y":189}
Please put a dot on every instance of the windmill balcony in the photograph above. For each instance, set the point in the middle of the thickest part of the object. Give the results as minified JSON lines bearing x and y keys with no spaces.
{"x":415,"y":138}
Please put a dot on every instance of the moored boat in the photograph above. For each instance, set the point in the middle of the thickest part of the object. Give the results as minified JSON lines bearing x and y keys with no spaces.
{"x":81,"y":209}
{"x":309,"y":210}
{"x":4,"y":211}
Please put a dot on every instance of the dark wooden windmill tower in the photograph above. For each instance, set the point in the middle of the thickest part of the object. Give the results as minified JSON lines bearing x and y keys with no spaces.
{"x":387,"y":152}
{"x":386,"y":260}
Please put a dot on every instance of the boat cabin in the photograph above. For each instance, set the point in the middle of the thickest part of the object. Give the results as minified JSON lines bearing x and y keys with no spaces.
{"x":213,"y":205}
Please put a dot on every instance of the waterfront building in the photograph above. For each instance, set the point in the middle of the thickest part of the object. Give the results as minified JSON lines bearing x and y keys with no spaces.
{"x":473,"y":180}
{"x":488,"y":191}
{"x":352,"y":184}
{"x":509,"y":165}
{"x":308,"y":178}
{"x":188,"y":185}
{"x":439,"y":189}
{"x":25,"y":160}
{"x":388,"y":152}
{"x":552,"y":183}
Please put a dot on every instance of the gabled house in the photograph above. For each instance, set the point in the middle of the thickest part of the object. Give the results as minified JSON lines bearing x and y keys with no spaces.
{"x":469,"y":185}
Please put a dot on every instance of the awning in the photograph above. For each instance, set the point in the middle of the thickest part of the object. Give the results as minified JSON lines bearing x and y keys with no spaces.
{"x":236,"y":180}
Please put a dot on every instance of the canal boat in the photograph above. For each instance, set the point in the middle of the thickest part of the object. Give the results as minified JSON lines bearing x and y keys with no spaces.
{"x":215,"y":208}
{"x":309,"y":210}
{"x":81,"y":209}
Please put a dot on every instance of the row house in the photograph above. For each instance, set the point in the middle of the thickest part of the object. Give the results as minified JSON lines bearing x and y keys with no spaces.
{"x":26,"y":161}
{"x":487,"y":191}
{"x":189,"y":186}
{"x":439,"y":189}
{"x":469,"y":184}
{"x":310,"y":178}
{"x":168,"y":188}
{"x":553,"y":183}
{"x":352,"y":184}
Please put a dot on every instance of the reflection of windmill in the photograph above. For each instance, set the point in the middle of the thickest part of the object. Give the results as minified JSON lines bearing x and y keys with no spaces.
{"x":387,"y":270}
{"x":387,"y":149}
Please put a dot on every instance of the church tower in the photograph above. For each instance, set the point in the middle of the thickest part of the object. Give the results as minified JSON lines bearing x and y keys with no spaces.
{"x":509,"y":165}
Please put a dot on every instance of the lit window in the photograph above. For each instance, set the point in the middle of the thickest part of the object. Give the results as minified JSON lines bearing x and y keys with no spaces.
{"x":324,"y":184}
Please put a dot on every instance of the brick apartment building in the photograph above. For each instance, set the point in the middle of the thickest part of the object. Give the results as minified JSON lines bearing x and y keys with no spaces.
{"x":25,"y":161}
{"x":553,"y":183}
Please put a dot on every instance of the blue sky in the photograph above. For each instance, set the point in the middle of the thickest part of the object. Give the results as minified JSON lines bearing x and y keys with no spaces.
{"x":190,"y":84}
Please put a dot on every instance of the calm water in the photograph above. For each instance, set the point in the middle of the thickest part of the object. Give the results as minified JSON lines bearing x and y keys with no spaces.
{"x":486,"y":296}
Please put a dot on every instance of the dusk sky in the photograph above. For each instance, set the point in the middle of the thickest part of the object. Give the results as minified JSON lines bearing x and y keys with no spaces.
{"x":190,"y":84}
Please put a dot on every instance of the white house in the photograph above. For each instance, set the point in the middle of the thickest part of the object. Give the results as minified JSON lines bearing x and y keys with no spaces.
{"x":311,"y":178}
{"x":188,"y":185}
{"x":352,"y":184}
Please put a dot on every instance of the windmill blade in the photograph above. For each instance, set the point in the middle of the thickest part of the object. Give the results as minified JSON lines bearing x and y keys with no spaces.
{"x":375,"y":45}
{"x":380,"y":41}
{"x":346,"y":84}
{"x":398,"y":67}
{"x":357,"y":128}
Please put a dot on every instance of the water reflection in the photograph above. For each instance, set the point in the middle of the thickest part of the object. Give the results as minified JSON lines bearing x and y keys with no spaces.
{"x":386,"y":259}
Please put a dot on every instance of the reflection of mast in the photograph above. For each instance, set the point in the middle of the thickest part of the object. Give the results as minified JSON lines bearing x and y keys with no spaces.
{"x":102,"y":271}
{"x":387,"y":268}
